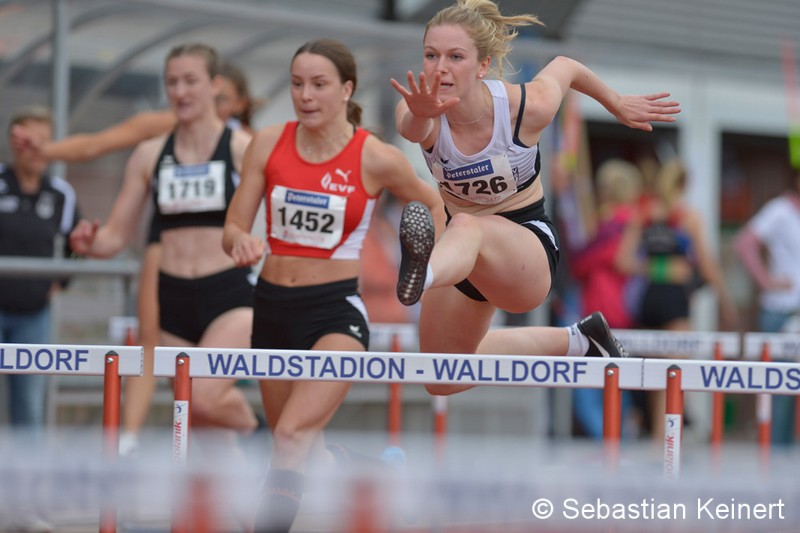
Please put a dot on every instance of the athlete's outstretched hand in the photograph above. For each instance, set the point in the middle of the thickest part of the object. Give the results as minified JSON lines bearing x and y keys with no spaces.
{"x":638,"y":111}
{"x":82,"y":237}
{"x":22,"y":140}
{"x":423,"y":101}
{"x":247,"y":250}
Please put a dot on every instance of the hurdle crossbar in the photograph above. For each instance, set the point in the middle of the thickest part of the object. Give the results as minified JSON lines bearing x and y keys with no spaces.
{"x":390,"y":367}
{"x":674,"y":344}
{"x":111,"y":362}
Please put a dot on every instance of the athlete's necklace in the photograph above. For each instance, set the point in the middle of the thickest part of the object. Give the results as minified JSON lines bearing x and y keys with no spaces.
{"x":469,"y":122}
{"x":311,"y":149}
{"x":483,"y":112}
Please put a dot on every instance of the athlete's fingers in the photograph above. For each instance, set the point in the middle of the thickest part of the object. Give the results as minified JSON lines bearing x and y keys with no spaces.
{"x":437,"y":81}
{"x":399,"y":88}
{"x":423,"y":83}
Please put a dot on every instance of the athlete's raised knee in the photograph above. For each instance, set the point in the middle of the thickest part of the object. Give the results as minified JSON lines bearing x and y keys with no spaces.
{"x":437,"y":389}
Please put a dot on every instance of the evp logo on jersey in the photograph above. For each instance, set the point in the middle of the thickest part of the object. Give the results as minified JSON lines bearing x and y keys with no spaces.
{"x":481,"y":168}
{"x":338,"y":182}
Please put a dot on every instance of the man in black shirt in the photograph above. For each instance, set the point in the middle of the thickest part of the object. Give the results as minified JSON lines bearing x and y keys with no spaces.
{"x":34,"y":209}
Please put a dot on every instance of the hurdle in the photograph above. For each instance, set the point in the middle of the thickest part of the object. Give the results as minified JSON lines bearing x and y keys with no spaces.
{"x":694,"y":345}
{"x":111,"y":362}
{"x":766,"y":347}
{"x":672,"y":375}
{"x":399,"y":337}
{"x":184,"y":364}
{"x":741,"y":377}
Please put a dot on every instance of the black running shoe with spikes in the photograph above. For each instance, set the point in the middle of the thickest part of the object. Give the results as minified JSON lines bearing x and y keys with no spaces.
{"x":602,"y":343}
{"x":416,"y":243}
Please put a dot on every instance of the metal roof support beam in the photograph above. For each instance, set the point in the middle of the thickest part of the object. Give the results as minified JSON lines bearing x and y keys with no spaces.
{"x":390,"y":34}
{"x":60,"y":62}
{"x":251,"y":44}
{"x":26,"y":55}
{"x":115,"y":71}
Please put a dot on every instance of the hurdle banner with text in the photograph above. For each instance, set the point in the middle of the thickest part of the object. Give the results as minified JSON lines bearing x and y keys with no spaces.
{"x":691,"y":344}
{"x":745,"y":377}
{"x":785,"y":346}
{"x":508,"y":370}
{"x":64,"y":359}
{"x":405,"y":367}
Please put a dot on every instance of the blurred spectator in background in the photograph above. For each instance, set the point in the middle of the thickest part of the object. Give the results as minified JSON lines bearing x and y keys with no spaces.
{"x":667,"y":245}
{"x":235,"y":105}
{"x":37,"y":212}
{"x":603,"y":286}
{"x":774,"y":231}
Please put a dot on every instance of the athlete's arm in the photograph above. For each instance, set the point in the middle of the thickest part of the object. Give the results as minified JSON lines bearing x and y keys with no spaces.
{"x":237,"y":241}
{"x":626,"y":259}
{"x":549,"y":87}
{"x":109,"y":239}
{"x":240,"y":140}
{"x":88,"y":146}
{"x":710,"y":269}
{"x":385,"y":166}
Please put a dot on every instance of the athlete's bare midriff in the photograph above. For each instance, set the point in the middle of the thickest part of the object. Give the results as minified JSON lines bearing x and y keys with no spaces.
{"x":293,"y":271}
{"x":193,"y":252}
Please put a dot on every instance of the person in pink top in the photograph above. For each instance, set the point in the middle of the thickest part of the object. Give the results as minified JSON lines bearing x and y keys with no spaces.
{"x":604,"y":286}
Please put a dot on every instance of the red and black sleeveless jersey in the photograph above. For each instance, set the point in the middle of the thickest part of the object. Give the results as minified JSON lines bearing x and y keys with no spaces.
{"x":316,"y":210}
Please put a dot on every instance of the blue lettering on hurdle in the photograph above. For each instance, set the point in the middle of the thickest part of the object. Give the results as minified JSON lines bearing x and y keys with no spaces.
{"x":732,"y":378}
{"x":311,"y":366}
{"x":495,"y":372}
{"x":233,"y":365}
{"x":45,"y":359}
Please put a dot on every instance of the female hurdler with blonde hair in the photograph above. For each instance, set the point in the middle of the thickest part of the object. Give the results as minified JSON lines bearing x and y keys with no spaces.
{"x":480,"y":140}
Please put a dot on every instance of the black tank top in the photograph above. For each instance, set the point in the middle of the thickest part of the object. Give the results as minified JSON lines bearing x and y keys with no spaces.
{"x":666,"y":237}
{"x":194,"y":195}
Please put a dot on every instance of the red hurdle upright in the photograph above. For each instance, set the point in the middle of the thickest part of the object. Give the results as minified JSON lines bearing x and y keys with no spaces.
{"x":180,"y":431}
{"x":673,"y":424}
{"x":612,"y":415}
{"x":717,"y":407}
{"x":112,"y":386}
{"x":764,"y":412}
{"x":395,"y":402}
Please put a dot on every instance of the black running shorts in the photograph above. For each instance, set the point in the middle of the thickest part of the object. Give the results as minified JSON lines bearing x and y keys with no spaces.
{"x":295,"y":318}
{"x":187,"y":306}
{"x":534,"y":218}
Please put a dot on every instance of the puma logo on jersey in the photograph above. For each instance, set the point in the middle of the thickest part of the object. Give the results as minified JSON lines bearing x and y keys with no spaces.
{"x":338,"y":185}
{"x":355,"y":330}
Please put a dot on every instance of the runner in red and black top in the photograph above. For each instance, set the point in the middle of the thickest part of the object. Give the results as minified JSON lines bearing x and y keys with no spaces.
{"x":320,"y":177}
